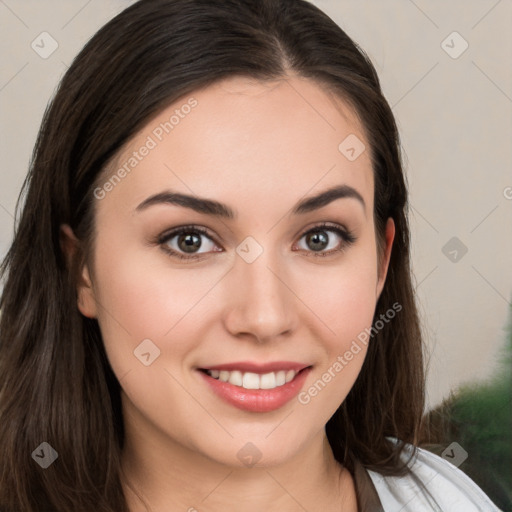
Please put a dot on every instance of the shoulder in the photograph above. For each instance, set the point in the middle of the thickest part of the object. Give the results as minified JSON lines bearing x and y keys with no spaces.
{"x":433,"y":484}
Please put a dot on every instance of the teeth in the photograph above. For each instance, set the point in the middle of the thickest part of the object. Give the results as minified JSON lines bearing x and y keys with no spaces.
{"x":268,"y":381}
{"x":235,"y":378}
{"x":249,"y":380}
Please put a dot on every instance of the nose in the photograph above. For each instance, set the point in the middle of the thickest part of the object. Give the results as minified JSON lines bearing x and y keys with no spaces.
{"x":261,"y":302}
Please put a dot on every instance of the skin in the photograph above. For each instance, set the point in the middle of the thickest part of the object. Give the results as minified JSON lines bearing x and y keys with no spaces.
{"x":259,"y":148}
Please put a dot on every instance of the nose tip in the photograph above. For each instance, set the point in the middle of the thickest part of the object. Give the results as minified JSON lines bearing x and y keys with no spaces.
{"x":261,"y":305}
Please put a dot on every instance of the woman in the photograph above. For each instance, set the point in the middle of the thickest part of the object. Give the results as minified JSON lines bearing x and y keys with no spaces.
{"x":208,"y":301}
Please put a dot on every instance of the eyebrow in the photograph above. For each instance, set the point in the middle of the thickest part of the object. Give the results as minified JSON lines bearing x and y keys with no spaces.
{"x":217,"y":209}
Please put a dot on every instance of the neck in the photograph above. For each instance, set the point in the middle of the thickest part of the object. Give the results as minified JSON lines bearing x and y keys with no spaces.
{"x":168,"y":475}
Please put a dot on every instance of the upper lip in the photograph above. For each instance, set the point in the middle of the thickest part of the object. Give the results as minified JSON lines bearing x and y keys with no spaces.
{"x":262,"y":368}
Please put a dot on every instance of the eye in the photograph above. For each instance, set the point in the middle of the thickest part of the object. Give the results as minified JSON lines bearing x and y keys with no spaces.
{"x":187,"y":242}
{"x":326,"y":239}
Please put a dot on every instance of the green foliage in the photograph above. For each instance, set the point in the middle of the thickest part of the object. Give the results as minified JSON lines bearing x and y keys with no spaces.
{"x":479,"y":418}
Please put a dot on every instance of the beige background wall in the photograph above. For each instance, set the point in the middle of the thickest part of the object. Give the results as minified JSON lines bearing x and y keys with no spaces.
{"x":453,"y":108}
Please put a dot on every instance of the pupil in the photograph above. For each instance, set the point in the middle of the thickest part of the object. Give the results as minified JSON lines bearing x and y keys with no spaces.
{"x":188,"y":243}
{"x":318,"y":240}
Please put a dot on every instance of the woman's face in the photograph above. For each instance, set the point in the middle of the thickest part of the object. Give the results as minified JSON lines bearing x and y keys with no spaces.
{"x":249,"y":292}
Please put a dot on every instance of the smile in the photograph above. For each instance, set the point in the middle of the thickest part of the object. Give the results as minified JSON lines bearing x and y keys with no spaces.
{"x":256,"y":388}
{"x":249,"y":380}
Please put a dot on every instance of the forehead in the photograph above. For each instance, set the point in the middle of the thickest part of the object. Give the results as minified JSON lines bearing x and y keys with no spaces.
{"x":249,"y":139}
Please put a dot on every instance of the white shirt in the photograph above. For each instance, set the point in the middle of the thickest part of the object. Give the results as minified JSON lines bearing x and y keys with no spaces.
{"x":452,"y":489}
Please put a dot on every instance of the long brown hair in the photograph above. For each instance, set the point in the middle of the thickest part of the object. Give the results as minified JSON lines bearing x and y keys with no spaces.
{"x":56,"y":385}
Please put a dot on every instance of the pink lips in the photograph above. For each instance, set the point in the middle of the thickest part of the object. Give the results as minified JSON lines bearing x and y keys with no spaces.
{"x":257,"y":400}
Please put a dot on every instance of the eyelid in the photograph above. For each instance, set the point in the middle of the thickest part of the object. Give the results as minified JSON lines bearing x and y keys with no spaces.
{"x":170,"y":233}
{"x":328,"y":226}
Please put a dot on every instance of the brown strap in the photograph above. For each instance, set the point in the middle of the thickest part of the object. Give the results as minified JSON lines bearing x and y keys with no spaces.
{"x":367,"y":496}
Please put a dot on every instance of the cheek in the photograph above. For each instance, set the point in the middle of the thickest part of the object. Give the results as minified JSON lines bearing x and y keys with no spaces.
{"x":344,"y":300}
{"x":348,"y":313}
{"x":139,"y":298}
{"x":140,"y":289}
{"x":344,"y":297}
{"x":347,"y":301}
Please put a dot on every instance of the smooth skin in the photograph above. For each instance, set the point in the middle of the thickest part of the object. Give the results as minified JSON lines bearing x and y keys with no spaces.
{"x":259,"y":148}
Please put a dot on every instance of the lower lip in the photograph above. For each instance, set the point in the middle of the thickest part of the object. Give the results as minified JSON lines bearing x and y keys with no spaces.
{"x":257,"y":400}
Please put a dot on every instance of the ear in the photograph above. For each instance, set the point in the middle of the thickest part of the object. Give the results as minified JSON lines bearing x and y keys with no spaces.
{"x":383,"y":270}
{"x":69,"y":245}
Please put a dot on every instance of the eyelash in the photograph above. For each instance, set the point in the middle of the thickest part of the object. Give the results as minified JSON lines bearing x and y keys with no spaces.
{"x":347,"y":237}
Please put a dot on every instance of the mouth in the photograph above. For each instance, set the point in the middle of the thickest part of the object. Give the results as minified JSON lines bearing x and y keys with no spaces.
{"x":250,"y":380}
{"x":256,"y":388}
